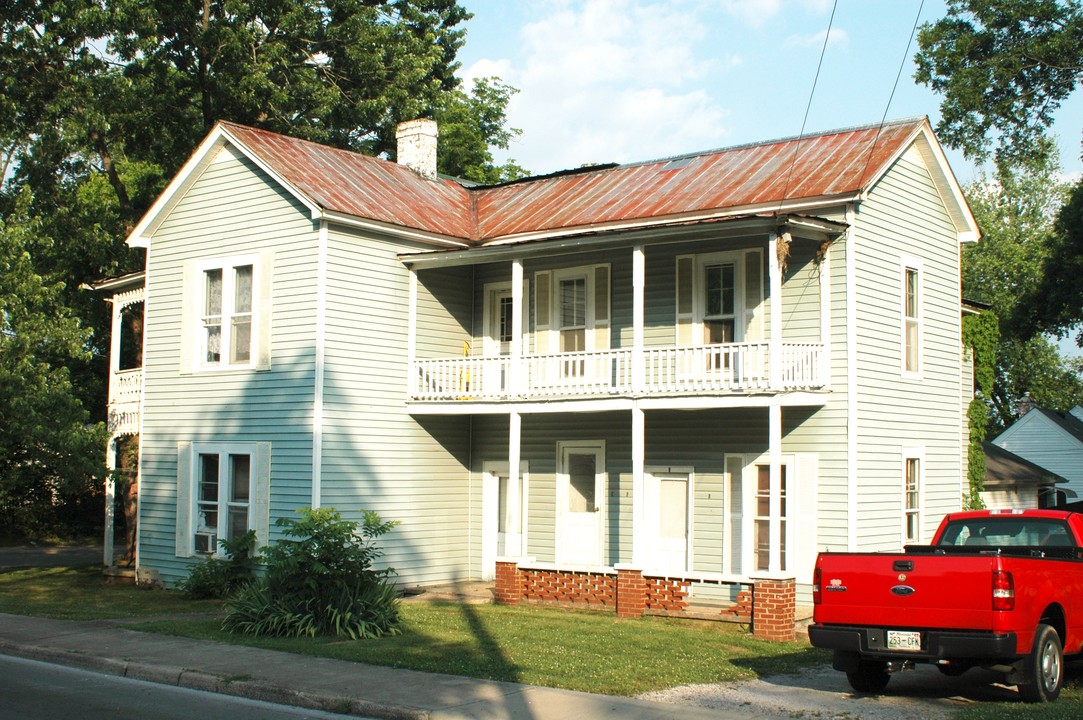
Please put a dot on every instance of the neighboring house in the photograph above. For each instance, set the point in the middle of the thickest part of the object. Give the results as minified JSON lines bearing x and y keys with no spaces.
{"x":1012,"y":482}
{"x":1052,"y":440}
{"x":709,"y":366}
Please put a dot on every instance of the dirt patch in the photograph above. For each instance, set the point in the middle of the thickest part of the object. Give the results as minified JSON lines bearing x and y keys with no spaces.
{"x":824,"y":694}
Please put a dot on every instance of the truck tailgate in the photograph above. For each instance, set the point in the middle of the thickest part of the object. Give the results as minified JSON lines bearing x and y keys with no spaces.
{"x":907,"y":591}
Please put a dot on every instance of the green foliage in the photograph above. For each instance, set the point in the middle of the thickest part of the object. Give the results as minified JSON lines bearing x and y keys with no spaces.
{"x":981,"y":333}
{"x":320,"y":580}
{"x":1056,"y":303}
{"x":469,"y":125}
{"x":1003,"y":67}
{"x":50,"y":453}
{"x":213,"y":577}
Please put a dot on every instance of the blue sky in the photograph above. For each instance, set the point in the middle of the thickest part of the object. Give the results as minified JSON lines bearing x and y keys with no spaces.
{"x":627,"y":80}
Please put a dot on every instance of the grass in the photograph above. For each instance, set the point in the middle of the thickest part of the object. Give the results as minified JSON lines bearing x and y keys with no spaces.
{"x":578,"y":650}
{"x":81,"y":593}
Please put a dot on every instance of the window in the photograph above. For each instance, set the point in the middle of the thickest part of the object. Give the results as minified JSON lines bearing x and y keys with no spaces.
{"x":912,"y":462}
{"x":911,"y":321}
{"x":720,"y":304}
{"x":762,"y":528}
{"x":222,"y":492}
{"x":573,"y":314}
{"x":229,"y":325}
{"x":222,"y":498}
{"x":719,"y":298}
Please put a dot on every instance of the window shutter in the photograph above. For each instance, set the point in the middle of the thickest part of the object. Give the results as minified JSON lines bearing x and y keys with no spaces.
{"x":191,"y":304}
{"x":805,"y":541}
{"x":264,"y":302}
{"x":686,"y":271}
{"x":184,"y":500}
{"x":261,"y":493}
{"x":541,"y":312}
{"x":735,"y":467}
{"x":601,"y":307}
{"x":753,"y":296}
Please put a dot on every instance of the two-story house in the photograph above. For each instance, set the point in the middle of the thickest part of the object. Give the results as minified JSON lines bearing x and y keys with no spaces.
{"x":709,"y":366}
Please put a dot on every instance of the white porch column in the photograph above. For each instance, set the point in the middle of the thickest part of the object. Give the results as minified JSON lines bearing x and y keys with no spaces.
{"x":775,"y":455}
{"x":516,"y":333}
{"x":110,"y":494}
{"x":825,"y":317}
{"x":411,"y":337}
{"x":638,"y":282}
{"x":114,"y":345}
{"x":515,"y":430}
{"x":639,"y":514}
{"x":775,"y":340}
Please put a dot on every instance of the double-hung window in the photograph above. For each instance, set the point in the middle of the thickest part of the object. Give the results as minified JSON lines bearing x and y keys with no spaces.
{"x":227,"y":314}
{"x":222,"y":493}
{"x":911,"y":317}
{"x":912,"y":481}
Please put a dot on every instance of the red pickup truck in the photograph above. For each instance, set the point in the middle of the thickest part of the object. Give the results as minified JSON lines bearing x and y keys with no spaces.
{"x":995,"y":589}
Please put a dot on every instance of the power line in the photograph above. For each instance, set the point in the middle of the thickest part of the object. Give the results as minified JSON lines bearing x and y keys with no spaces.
{"x":883,"y":118}
{"x":808,"y":106}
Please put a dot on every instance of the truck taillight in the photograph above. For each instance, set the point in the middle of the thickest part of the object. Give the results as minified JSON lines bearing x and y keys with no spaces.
{"x":817,"y":578}
{"x":1003,"y":590}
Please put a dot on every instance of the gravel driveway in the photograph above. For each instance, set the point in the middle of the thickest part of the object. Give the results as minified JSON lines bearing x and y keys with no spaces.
{"x":823,"y":693}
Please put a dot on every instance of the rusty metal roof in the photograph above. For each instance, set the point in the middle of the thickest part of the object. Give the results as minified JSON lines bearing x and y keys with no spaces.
{"x":362,"y":186}
{"x":826,"y":165}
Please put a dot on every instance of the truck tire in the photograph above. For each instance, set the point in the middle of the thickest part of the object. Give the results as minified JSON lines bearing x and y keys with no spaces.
{"x":1043,"y":669}
{"x":870,"y":676}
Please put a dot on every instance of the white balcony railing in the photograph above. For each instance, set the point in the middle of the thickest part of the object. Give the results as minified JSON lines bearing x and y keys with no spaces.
{"x":125,"y":396}
{"x":710,"y":369}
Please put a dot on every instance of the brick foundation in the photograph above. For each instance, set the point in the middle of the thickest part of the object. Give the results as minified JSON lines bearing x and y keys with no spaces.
{"x":770,"y":604}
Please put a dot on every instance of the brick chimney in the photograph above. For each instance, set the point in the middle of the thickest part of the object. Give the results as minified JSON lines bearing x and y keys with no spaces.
{"x":417,"y":146}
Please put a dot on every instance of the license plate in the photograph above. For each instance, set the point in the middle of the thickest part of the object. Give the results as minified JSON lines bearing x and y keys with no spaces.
{"x":903,"y":640}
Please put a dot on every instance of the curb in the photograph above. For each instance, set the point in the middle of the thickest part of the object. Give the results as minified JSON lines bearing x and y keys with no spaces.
{"x":206,"y":682}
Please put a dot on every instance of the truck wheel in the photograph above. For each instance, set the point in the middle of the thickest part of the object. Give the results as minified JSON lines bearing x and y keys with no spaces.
{"x":1043,"y":669}
{"x":870,"y":677}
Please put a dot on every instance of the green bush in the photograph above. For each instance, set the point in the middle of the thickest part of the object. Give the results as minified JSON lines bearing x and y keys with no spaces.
{"x":319,"y":580}
{"x":217,"y":578}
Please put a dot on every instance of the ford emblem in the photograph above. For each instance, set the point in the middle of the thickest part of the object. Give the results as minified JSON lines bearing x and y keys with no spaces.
{"x":902,"y":590}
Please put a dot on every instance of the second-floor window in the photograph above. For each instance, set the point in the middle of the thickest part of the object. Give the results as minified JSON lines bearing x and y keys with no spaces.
{"x":911,"y":496}
{"x":226,"y":314}
{"x":720,"y":298}
{"x":911,"y":317}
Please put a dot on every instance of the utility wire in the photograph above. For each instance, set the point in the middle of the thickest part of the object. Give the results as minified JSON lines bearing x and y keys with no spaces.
{"x":883,"y":118}
{"x":808,"y":106}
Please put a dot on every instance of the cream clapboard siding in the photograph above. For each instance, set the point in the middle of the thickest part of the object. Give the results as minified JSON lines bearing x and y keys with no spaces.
{"x":375,"y":455}
{"x":231,"y":209}
{"x":905,"y":216}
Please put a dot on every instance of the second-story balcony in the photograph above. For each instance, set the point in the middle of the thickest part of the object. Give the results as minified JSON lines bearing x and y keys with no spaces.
{"x":125,"y":397}
{"x":730,"y":368}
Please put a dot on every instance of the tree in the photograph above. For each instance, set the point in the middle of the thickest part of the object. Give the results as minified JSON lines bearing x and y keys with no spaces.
{"x":50,"y":456}
{"x":1015,"y":210}
{"x":1003,"y":67}
{"x":101,"y":101}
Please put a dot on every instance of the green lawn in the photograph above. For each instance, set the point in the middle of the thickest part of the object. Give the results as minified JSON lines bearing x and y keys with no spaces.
{"x":590,"y":651}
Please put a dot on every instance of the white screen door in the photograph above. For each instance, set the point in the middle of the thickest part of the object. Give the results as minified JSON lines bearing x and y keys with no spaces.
{"x":580,"y":500}
{"x":668,"y":505}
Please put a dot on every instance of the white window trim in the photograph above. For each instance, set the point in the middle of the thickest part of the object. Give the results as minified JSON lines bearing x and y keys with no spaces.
{"x":193,"y":341}
{"x":699,"y":297}
{"x":913,"y":453}
{"x":915,"y":264}
{"x":591,"y":324}
{"x":751,"y":484}
{"x":188,"y":495}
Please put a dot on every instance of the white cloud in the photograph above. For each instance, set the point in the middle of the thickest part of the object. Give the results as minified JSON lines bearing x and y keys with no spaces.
{"x":612,"y":80}
{"x":838,"y":37}
{"x":753,"y":12}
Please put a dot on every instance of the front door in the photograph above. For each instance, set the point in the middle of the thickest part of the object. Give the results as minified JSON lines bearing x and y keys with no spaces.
{"x":498,"y":336}
{"x":668,"y":504}
{"x":503,"y":526}
{"x":580,"y":503}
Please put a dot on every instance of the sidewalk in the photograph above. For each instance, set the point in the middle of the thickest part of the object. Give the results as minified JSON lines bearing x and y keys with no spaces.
{"x":331,"y":685}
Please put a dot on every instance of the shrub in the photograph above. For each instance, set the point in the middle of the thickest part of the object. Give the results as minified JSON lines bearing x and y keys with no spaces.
{"x":217,"y":578}
{"x":319,"y":580}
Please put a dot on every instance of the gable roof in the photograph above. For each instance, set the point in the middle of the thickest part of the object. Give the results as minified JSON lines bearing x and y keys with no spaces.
{"x":793,"y":174}
{"x":1006,"y":468}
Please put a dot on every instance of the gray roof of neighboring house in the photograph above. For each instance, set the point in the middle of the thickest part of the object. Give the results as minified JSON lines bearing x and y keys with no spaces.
{"x":1003,"y":468}
{"x":1065,"y":420}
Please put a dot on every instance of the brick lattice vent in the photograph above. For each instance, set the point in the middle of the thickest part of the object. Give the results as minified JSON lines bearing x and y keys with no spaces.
{"x":667,"y":595}
{"x":565,"y":587}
